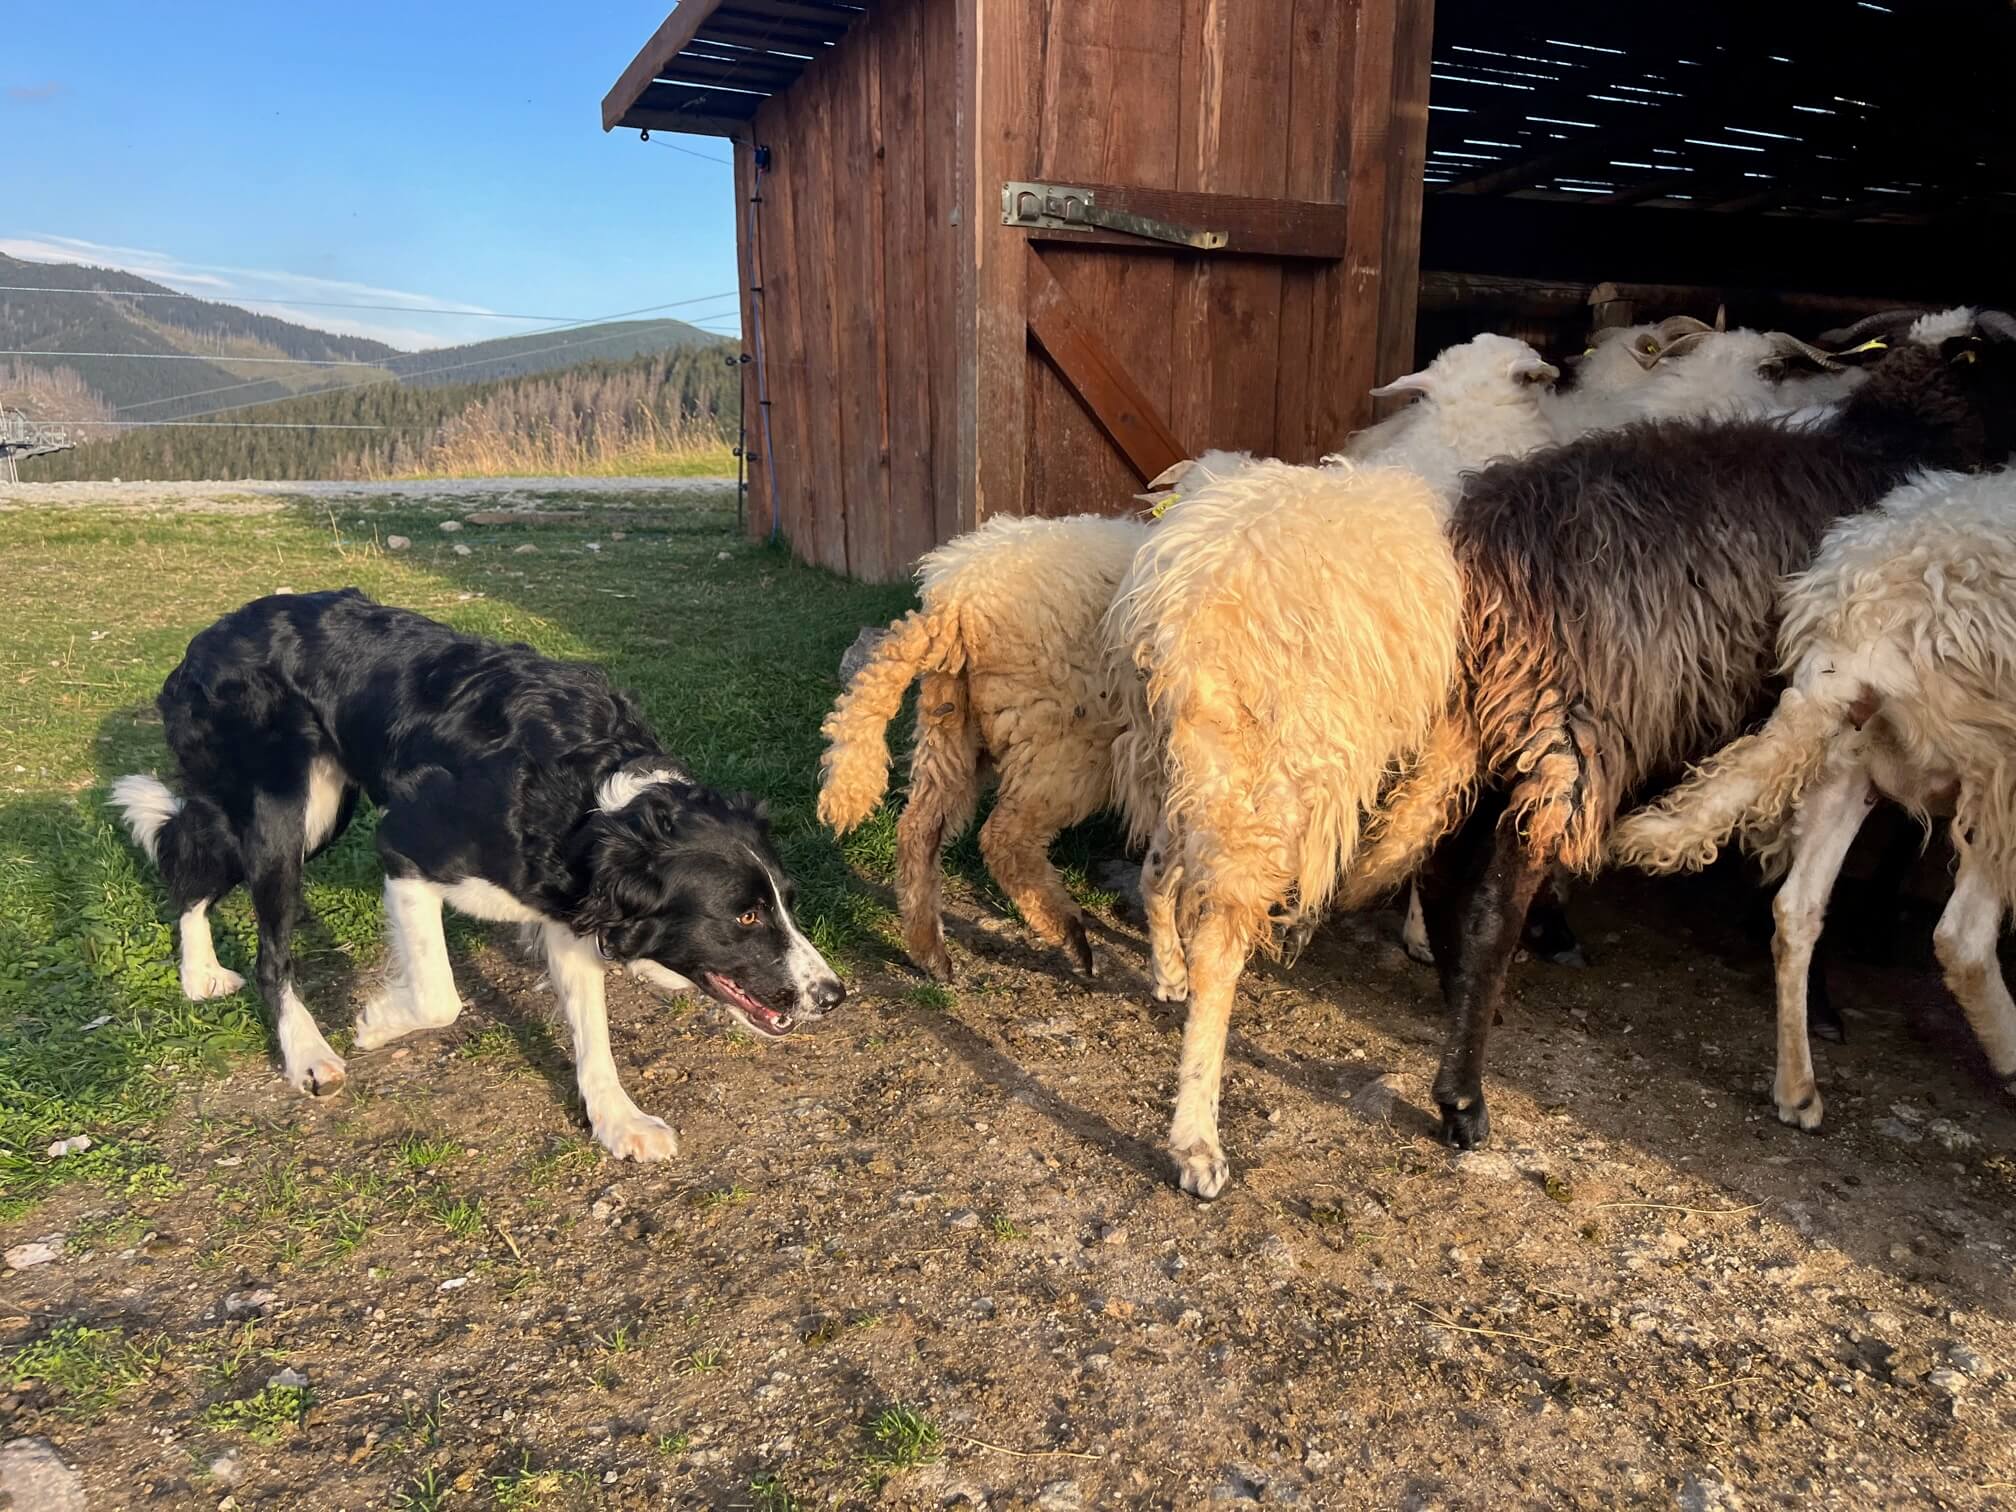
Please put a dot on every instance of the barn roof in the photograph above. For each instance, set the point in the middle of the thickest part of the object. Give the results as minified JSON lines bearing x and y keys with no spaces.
{"x":713,"y":63}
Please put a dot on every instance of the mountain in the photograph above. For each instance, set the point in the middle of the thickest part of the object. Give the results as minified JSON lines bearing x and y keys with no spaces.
{"x":209,"y":342}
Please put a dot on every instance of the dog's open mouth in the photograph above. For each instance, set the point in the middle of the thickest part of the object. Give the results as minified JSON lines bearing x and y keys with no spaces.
{"x":763,"y":1020}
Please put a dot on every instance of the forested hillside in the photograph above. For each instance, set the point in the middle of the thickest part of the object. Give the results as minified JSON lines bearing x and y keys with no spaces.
{"x":642,"y":414}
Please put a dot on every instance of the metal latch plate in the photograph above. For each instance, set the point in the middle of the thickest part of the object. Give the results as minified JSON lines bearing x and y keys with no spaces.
{"x":1059,"y":207}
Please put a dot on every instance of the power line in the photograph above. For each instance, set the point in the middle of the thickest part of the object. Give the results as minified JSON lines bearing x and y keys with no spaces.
{"x":704,"y":157}
{"x":246,"y":424}
{"x":199,"y":357}
{"x":676,"y":304}
{"x":306,"y":304}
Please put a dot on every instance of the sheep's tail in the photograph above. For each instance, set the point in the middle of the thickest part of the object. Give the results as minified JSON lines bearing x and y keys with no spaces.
{"x":1427,"y":803}
{"x":854,"y":770}
{"x":1746,"y":790}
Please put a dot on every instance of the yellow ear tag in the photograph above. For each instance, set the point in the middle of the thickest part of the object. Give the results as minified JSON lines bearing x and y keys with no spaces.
{"x":1161,"y":509}
{"x":1867,"y":346}
{"x":1588,"y":351}
{"x":1968,"y":354}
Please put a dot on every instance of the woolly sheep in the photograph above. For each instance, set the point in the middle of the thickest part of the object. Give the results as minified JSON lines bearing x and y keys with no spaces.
{"x":1619,"y":617}
{"x":1284,"y":637}
{"x":1900,"y":644}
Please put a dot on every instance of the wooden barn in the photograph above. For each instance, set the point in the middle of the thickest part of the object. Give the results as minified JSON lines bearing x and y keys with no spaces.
{"x":1016,"y":256}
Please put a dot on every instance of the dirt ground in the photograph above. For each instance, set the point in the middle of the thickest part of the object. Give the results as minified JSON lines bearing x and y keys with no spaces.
{"x":1646,"y":1292}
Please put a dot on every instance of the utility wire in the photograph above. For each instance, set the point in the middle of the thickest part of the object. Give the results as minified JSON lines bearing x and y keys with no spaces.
{"x":247,"y":424}
{"x":424,"y":372}
{"x":306,"y":304}
{"x":703,"y":156}
{"x":199,"y":357}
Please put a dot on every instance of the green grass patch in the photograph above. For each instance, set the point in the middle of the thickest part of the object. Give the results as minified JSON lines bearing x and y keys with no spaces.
{"x":731,"y":649}
{"x":85,"y":1370}
{"x":900,"y":1437}
{"x":273,"y":1414}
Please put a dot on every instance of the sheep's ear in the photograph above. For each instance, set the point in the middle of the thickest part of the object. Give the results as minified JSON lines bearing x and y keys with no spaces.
{"x":1721,"y":317}
{"x":1413,"y":383}
{"x":1531,"y":367}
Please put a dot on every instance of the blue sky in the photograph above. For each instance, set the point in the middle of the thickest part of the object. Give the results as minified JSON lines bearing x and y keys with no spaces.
{"x":424,"y":153}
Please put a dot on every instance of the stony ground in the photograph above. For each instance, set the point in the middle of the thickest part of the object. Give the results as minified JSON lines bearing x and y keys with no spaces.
{"x":929,"y":1254}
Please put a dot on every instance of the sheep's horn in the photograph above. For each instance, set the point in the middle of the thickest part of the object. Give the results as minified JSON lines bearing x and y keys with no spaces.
{"x":1674,"y":326}
{"x":1784,"y":344}
{"x":1842,"y":337}
{"x":1170,"y":476}
{"x":1997,"y":323}
{"x":1721,"y":317}
{"x":1680,"y":346}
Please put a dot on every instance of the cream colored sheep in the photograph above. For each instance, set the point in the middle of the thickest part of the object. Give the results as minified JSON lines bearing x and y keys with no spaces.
{"x":1006,"y":645}
{"x":1286,"y":637}
{"x":1900,"y":641}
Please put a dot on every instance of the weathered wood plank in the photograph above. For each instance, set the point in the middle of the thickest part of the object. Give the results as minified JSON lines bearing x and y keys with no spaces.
{"x":854,"y":235}
{"x":734,"y":127}
{"x":781,"y":127}
{"x":1407,"y":147}
{"x":687,"y":100}
{"x":1108,"y":390}
{"x":1368,"y":175}
{"x":756,"y":517}
{"x":906,"y":279}
{"x":673,"y":33}
{"x":1318,"y":53}
{"x":1005,"y":43}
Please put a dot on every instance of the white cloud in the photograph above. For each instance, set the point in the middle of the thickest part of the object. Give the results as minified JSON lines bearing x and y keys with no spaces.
{"x":264,"y":290}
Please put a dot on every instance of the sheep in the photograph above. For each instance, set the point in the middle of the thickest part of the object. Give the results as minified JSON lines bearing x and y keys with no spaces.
{"x":1900,"y":645}
{"x":1284,"y":637}
{"x":1006,"y":642}
{"x":1006,"y":646}
{"x":1681,"y":368}
{"x":1619,"y":617}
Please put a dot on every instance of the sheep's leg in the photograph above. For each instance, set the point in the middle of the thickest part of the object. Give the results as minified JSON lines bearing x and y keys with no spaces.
{"x":1015,"y":841}
{"x":1965,"y":941}
{"x":1823,"y":829}
{"x":1414,"y":933}
{"x":1217,"y":956}
{"x":1493,"y":896}
{"x":1548,"y":936}
{"x":944,"y":787}
{"x":1161,"y":872}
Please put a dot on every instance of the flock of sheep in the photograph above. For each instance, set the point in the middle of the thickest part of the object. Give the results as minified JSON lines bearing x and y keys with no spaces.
{"x":1454,"y":654}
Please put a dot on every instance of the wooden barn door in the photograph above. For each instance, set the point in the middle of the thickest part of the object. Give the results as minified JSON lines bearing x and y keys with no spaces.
{"x":1192,"y":230}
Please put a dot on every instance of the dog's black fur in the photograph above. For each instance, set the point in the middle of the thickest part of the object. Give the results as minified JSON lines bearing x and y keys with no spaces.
{"x":486,"y":759}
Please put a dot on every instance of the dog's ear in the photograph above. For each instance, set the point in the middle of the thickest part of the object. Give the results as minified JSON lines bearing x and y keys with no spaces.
{"x":626,"y":882}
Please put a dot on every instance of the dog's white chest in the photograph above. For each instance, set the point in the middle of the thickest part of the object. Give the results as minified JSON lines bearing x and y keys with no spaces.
{"x":485,"y":900}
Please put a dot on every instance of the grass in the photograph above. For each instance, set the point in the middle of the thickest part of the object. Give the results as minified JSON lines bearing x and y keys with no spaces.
{"x":275,"y":1413}
{"x":770,"y":1494}
{"x":900,"y":1437}
{"x":418,"y":1153}
{"x":733,"y":660}
{"x":523,"y":1487}
{"x":461,"y":1216}
{"x":86,"y":1370}
{"x":426,"y":1492}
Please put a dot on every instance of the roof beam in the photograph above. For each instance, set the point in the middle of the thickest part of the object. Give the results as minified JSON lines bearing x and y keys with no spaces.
{"x":673,"y":34}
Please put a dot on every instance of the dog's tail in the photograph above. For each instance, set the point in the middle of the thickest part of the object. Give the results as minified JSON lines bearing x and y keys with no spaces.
{"x":854,"y":771}
{"x":187,"y":839}
{"x":1423,"y":806}
{"x":1746,"y":791}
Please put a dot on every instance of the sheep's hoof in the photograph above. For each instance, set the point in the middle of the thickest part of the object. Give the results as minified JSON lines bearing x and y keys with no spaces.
{"x":1802,"y":1113}
{"x":1295,"y":939}
{"x":1418,"y":950}
{"x":935,"y":964}
{"x":1079,"y":944}
{"x":1202,"y":1170}
{"x":1465,"y":1128}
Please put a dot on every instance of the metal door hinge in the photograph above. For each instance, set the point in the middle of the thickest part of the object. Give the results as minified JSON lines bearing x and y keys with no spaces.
{"x":1059,"y":207}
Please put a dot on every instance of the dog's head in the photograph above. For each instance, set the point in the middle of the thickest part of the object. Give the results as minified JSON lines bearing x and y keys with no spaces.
{"x":688,"y":878}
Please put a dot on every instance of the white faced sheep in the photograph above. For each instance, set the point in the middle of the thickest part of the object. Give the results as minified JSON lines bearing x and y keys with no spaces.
{"x":1007,"y":646}
{"x":1620,"y":611}
{"x":1900,"y":642}
{"x":1287,"y":635}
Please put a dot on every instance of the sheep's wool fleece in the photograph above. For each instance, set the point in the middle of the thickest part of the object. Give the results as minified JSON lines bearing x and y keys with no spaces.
{"x":1916,"y":602}
{"x":1288,"y":635}
{"x":1026,"y":596}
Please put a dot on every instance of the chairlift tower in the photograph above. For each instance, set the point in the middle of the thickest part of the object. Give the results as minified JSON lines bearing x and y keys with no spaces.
{"x":21,"y":437}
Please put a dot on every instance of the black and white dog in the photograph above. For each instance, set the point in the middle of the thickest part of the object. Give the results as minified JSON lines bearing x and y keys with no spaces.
{"x":514,"y":787}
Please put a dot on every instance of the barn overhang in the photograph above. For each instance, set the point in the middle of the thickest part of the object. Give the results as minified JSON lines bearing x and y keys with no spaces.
{"x":713,"y":63}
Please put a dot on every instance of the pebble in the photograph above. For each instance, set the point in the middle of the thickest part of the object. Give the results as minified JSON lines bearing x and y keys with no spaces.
{"x":526,"y":550}
{"x":454,"y":1283}
{"x":1966,"y":1361}
{"x":461,"y":550}
{"x":33,"y":1475}
{"x":37,"y":1252}
{"x":1705,"y":1491}
{"x":1057,"y":1496}
{"x":76,"y":1144}
{"x":288,"y":1377}
{"x":1487,"y":1165}
{"x":397,"y":543}
{"x":224,"y":1469}
{"x":593,"y":546}
{"x":255,"y":1302}
{"x":451,"y":526}
{"x":1947,"y":1380}
{"x":723,"y":556}
{"x":1897,"y":1129}
{"x":965,"y":1218}
{"x":1238,"y":1486}
{"x":1375,"y":1100}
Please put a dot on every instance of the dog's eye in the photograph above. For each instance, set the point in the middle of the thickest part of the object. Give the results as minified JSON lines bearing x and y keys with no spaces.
{"x":748,"y":919}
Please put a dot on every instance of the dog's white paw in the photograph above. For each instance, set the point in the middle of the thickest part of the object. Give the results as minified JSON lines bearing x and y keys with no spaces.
{"x":389,"y":1016}
{"x":1801,"y":1110}
{"x":319,"y":1075}
{"x":201,"y":983}
{"x":1202,"y":1169}
{"x":637,"y":1136}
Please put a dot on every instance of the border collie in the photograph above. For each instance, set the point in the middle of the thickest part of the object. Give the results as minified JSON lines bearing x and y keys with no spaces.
{"x":514,"y":787}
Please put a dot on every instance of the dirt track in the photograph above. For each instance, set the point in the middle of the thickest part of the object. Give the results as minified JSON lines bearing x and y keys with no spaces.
{"x":1647,"y":1292}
